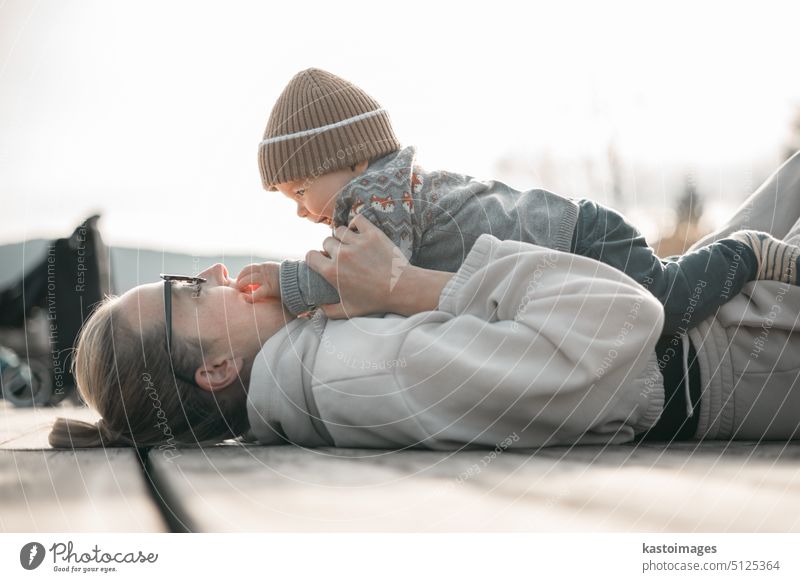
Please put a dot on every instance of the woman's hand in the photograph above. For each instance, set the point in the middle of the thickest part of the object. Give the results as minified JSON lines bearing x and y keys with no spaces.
{"x":372,"y":274}
{"x":260,"y":280}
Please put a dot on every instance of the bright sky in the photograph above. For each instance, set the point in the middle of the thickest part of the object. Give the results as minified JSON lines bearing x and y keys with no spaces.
{"x":151,"y":112}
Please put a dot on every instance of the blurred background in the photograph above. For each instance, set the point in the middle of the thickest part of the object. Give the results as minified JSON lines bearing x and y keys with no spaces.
{"x":150,"y":113}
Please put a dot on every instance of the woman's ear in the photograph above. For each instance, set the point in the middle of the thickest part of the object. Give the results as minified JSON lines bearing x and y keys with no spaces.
{"x":213,"y":376}
{"x":360,"y":167}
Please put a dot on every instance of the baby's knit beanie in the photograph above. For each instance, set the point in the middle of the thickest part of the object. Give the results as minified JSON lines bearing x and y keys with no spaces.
{"x":319,"y":124}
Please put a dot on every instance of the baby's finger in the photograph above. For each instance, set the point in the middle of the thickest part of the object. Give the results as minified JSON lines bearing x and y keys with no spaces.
{"x":250,"y":279}
{"x":341,"y":233}
{"x":361,"y":224}
{"x":331,"y":246}
{"x":247,"y":270}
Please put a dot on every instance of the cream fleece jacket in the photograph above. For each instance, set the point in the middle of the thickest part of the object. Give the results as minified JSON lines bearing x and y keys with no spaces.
{"x":529,"y":346}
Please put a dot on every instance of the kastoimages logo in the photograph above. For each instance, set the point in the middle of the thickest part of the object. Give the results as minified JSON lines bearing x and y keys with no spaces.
{"x":31,"y":555}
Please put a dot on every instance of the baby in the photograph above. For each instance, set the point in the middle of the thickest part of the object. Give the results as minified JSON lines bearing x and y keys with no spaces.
{"x":330,"y":147}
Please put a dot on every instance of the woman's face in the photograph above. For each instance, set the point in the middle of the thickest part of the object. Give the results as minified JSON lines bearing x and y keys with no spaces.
{"x":215,"y":312}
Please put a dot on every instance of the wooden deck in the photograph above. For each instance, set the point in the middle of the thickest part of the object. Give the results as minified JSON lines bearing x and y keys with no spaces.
{"x":729,"y":487}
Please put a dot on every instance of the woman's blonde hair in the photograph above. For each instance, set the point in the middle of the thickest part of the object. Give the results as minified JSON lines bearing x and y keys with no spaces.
{"x":129,"y":380}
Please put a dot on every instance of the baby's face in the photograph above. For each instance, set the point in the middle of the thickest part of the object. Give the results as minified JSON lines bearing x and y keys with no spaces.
{"x":316,"y":197}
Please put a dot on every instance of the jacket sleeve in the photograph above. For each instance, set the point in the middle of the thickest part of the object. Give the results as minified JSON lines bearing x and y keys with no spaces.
{"x":543,"y":347}
{"x":303,"y":289}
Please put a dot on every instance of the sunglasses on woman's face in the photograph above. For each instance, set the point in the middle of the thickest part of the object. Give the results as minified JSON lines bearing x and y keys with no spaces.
{"x":168,"y":279}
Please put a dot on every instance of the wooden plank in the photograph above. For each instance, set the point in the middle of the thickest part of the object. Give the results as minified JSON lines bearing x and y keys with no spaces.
{"x":44,"y":490}
{"x":686,"y":487}
{"x":99,"y":490}
{"x":27,"y":428}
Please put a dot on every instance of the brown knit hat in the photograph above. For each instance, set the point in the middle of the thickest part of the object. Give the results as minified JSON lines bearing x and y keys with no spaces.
{"x":319,"y":124}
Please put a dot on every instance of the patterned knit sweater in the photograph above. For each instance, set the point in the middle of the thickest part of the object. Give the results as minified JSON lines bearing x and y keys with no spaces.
{"x":434,"y":217}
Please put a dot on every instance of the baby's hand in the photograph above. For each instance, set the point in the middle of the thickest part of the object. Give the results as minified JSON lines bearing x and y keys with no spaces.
{"x":259,"y":281}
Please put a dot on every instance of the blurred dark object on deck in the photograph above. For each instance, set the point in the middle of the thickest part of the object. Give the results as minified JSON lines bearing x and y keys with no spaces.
{"x":42,"y":313}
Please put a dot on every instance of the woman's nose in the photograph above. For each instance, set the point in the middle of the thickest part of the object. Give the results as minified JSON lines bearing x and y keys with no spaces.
{"x":216,"y":273}
{"x":301,"y":211}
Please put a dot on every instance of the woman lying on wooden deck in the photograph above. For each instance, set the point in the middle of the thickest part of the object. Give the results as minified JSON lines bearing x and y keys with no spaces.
{"x":524,"y":346}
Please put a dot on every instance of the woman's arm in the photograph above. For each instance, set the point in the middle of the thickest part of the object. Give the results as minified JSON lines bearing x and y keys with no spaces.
{"x":417,"y":290}
{"x":373,"y":275}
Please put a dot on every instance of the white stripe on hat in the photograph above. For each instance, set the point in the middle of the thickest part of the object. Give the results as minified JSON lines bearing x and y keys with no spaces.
{"x":306,"y":132}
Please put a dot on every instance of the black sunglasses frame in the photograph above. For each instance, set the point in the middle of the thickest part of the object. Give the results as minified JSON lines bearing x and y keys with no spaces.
{"x":168,"y":279}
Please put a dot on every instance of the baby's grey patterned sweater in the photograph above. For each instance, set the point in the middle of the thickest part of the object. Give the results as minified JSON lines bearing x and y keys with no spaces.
{"x":434,"y":217}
